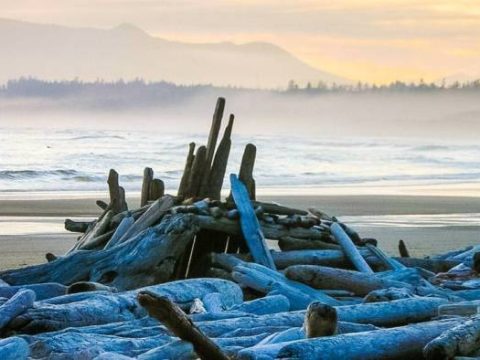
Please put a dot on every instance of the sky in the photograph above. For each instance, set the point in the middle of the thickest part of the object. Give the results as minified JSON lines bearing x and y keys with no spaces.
{"x":369,"y":40}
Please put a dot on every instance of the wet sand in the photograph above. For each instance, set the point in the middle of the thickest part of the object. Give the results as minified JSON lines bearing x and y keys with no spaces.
{"x":31,"y":228}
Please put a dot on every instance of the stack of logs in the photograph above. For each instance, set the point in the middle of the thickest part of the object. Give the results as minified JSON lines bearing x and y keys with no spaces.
{"x":192,"y":275}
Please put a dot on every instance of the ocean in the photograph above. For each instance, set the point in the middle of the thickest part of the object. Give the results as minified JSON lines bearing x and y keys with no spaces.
{"x":77,"y":161}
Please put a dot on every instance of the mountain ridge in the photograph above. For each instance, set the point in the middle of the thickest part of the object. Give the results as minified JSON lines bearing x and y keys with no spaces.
{"x":56,"y":52}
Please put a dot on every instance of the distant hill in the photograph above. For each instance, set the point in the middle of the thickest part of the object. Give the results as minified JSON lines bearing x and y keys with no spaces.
{"x":54,"y":52}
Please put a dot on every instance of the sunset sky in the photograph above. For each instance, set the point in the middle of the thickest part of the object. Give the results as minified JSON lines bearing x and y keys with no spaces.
{"x":369,"y":40}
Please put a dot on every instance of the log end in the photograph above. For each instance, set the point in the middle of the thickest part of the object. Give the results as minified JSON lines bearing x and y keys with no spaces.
{"x":320,"y":320}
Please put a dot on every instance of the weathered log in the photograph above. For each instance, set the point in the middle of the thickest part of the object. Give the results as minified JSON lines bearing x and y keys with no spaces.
{"x":251,"y":229}
{"x":183,"y":187}
{"x":322,"y":277}
{"x":149,"y":217}
{"x":77,"y":226}
{"x":271,"y":231}
{"x":42,"y":291}
{"x":177,"y":321}
{"x":197,"y":173}
{"x":463,"y":339}
{"x":14,"y":348}
{"x":98,"y":242}
{"x":117,"y":194}
{"x":395,"y":343}
{"x":147,"y":180}
{"x":266,"y":305}
{"x":211,"y":145}
{"x":219,"y":166}
{"x":157,"y":190}
{"x":463,"y":308}
{"x":99,"y":229}
{"x":260,"y":279}
{"x":349,"y":248}
{"x":289,"y":243}
{"x":214,"y":303}
{"x":94,"y":308}
{"x":101,"y":204}
{"x":215,"y":129}
{"x":246,"y":169}
{"x":386,"y":260}
{"x":402,"y":249}
{"x":394,"y":313}
{"x":145,"y":259}
{"x":16,"y":305}
{"x":389,"y":294}
{"x":74,"y":345}
{"x":120,"y":231}
{"x":434,"y":265}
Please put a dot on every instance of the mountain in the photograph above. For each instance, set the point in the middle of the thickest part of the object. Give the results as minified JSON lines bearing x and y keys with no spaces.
{"x":54,"y":52}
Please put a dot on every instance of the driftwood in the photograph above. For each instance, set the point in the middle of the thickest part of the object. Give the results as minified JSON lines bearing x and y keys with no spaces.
{"x":219,"y":166}
{"x":183,"y":188}
{"x":77,"y":226}
{"x":144,"y":259}
{"x":117,"y":193}
{"x":402,"y":249}
{"x":245,"y":174}
{"x":322,"y":277}
{"x":94,"y":308}
{"x":42,"y":291}
{"x":175,"y":319}
{"x":196,"y":174}
{"x":249,"y":223}
{"x":16,"y":305}
{"x":157,"y":190}
{"x":463,"y":339}
{"x":349,"y":248}
{"x":147,"y":181}
{"x":14,"y":348}
{"x":395,"y":343}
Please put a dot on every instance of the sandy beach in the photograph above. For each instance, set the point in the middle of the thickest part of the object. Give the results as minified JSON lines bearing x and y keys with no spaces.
{"x":31,"y":228}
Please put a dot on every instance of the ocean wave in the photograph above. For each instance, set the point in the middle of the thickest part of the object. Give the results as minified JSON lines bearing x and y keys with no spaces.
{"x":88,"y":137}
{"x":28,"y":174}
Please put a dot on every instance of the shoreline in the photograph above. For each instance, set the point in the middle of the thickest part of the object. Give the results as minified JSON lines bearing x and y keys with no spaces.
{"x":29,"y":228}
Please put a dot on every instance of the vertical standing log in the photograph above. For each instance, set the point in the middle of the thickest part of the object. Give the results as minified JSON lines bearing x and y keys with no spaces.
{"x":246,"y":169}
{"x":350,"y":249}
{"x":157,"y":189}
{"x":164,"y":310}
{"x":402,"y":249}
{"x":183,"y":187}
{"x":117,"y":195}
{"x":196,"y":174}
{"x":212,"y":143}
{"x":147,"y":180}
{"x":250,"y":226}
{"x":220,"y":163}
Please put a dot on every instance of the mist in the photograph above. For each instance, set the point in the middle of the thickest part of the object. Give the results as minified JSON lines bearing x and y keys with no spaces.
{"x":434,"y":115}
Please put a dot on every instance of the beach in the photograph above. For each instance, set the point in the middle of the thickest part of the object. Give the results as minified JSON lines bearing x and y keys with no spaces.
{"x":428,"y":224}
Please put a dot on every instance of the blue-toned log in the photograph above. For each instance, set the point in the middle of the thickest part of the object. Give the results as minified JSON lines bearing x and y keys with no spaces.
{"x":69,"y":345}
{"x":266,"y":280}
{"x":121,"y":229}
{"x":322,"y":277}
{"x":250,"y":226}
{"x":350,"y":249}
{"x":394,"y":343}
{"x":16,"y":305}
{"x":145,"y":259}
{"x":102,"y":308}
{"x":266,"y":305}
{"x":42,"y":291}
{"x":14,"y":348}
{"x":463,"y":339}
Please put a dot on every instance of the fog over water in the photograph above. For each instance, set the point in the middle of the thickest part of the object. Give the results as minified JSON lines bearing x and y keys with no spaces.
{"x":348,"y":142}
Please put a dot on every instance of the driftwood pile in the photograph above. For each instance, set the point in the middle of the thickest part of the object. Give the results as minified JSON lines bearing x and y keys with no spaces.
{"x":192,"y":275}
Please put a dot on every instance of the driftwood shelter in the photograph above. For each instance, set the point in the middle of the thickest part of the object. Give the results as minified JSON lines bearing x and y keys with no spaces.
{"x":191,"y":275}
